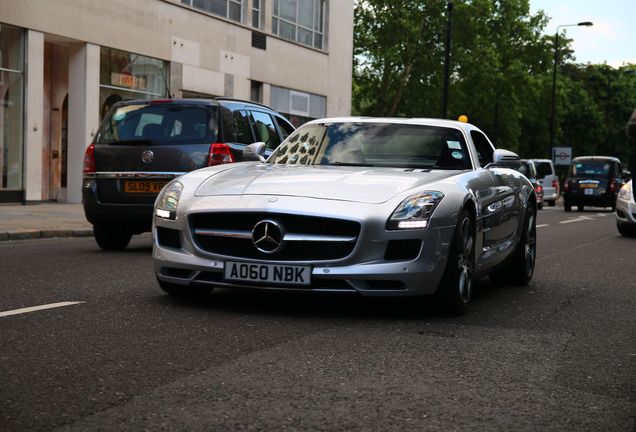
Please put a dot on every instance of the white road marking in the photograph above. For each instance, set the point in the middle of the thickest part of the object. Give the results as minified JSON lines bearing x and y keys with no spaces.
{"x":582,"y":218}
{"x":542,"y":225}
{"x":38,"y":308}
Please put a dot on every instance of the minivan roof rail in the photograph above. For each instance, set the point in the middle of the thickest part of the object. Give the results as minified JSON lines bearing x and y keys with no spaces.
{"x":229,"y":99}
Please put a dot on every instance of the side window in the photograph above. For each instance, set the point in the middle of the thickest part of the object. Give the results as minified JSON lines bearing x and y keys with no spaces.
{"x":483,"y":147}
{"x":242,"y":132}
{"x":285,"y":128}
{"x":265,"y":129}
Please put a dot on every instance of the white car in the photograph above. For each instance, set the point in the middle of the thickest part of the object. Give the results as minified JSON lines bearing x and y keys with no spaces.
{"x":374,"y":206}
{"x":548,"y":179}
{"x":626,"y":210}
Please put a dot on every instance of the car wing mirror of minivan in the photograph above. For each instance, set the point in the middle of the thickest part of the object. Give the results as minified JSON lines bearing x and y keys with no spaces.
{"x":504,"y":159}
{"x":255,"y":152}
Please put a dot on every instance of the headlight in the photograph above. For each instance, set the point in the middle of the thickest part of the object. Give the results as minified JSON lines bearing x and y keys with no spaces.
{"x":415,"y":211}
{"x":168,"y":200}
{"x":625,"y":192}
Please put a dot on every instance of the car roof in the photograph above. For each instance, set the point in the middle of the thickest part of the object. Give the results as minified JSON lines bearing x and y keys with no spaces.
{"x":455,"y":124}
{"x":592,"y":158}
{"x":188,"y":101}
{"x":197,"y":101}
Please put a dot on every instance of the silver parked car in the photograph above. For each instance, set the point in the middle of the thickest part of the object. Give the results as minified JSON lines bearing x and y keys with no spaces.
{"x":626,"y":210}
{"x":375,"y":206}
{"x":548,"y":179}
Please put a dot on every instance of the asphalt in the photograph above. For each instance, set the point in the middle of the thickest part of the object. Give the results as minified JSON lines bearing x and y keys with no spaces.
{"x":43,"y":220}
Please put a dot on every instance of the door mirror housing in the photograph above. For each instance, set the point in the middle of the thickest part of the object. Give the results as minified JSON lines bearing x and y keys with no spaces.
{"x":504,"y":159}
{"x":255,"y":152}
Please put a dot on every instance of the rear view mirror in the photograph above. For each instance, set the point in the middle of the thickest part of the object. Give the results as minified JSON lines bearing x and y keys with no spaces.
{"x":505,"y":158}
{"x":255,"y":152}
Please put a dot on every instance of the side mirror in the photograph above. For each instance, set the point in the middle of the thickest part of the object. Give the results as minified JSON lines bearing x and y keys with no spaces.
{"x":255,"y":152}
{"x":505,"y":158}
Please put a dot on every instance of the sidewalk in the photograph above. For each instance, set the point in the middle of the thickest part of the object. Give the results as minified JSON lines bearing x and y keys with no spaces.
{"x":44,"y":220}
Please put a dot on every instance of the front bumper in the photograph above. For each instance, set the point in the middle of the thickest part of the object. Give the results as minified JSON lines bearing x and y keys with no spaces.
{"x":366,"y":270}
{"x":626,"y":214}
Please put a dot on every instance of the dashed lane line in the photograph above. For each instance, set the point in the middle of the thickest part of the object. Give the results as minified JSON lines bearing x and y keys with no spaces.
{"x":38,"y":308}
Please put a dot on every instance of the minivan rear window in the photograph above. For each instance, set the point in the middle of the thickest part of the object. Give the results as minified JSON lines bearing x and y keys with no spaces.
{"x":590,"y":169}
{"x":161,"y":123}
{"x":543,"y":169}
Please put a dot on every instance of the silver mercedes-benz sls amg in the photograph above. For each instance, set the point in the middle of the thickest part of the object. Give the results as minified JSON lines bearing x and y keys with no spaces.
{"x":375,"y":206}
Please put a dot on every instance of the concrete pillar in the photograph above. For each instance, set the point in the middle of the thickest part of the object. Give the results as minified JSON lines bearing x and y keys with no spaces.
{"x":33,"y":121}
{"x":83,"y":112}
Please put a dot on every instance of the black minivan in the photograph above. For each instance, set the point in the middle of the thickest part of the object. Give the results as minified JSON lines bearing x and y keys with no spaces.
{"x":143,"y":144}
{"x":592,"y":181}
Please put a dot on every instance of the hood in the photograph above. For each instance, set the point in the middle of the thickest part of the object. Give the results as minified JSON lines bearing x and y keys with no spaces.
{"x":354,"y":184}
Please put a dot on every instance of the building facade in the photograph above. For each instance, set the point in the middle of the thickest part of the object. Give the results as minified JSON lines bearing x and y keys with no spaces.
{"x":63,"y":63}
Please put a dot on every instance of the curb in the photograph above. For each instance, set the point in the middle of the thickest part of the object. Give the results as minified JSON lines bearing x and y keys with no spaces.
{"x":40,"y":234}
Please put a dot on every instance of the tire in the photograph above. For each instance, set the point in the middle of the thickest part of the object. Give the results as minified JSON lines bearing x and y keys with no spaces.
{"x":567,"y":206}
{"x":552,"y":203}
{"x":626,"y":231}
{"x":457,"y":282}
{"x":580,"y":208}
{"x":521,"y":268}
{"x":183,"y":290}
{"x":540,"y":206}
{"x":111,"y":237}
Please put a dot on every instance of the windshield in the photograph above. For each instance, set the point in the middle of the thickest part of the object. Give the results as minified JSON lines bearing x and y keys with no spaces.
{"x":374,"y":144}
{"x":590,"y":169}
{"x":165,"y":123}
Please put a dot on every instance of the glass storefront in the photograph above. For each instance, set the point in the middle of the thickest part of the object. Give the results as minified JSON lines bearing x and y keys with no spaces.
{"x":124,"y":75}
{"x":11,"y":112}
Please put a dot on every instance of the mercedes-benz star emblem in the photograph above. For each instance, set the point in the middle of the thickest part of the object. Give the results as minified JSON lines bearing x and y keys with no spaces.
{"x":147,"y":156}
{"x":267,"y":236}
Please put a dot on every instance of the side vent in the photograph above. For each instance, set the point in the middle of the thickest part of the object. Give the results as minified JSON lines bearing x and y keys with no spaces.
{"x":259,"y":40}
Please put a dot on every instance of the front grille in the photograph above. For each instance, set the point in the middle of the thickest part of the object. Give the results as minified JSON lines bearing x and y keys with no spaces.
{"x":315,"y":238}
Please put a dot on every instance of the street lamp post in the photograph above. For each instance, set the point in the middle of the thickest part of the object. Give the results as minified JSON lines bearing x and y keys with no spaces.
{"x":449,"y":29}
{"x":554,"y":74}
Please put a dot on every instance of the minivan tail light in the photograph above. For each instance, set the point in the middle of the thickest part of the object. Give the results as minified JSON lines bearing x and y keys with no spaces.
{"x":89,"y":159}
{"x":613,"y":186}
{"x":220,"y":154}
{"x":566,"y":186}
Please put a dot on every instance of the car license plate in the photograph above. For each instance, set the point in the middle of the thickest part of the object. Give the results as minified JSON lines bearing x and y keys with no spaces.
{"x":268,"y":273}
{"x":144,"y":186}
{"x":589,"y":185}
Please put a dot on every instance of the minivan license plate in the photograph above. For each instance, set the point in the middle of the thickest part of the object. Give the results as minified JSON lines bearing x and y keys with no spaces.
{"x":268,"y":273}
{"x":144,"y":186}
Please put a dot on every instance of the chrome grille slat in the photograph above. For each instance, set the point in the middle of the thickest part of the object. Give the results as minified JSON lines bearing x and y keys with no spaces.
{"x":306,"y":238}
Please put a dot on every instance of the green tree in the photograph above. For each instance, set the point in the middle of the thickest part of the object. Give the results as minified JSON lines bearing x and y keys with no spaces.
{"x":499,"y":63}
{"x":600,"y":100}
{"x":396,"y":43}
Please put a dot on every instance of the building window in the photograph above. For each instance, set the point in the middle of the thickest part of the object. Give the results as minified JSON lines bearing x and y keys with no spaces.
{"x":11,"y":111}
{"x":224,"y":8}
{"x":256,"y":13}
{"x":125,"y":75}
{"x":298,"y":107}
{"x":300,"y":20}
